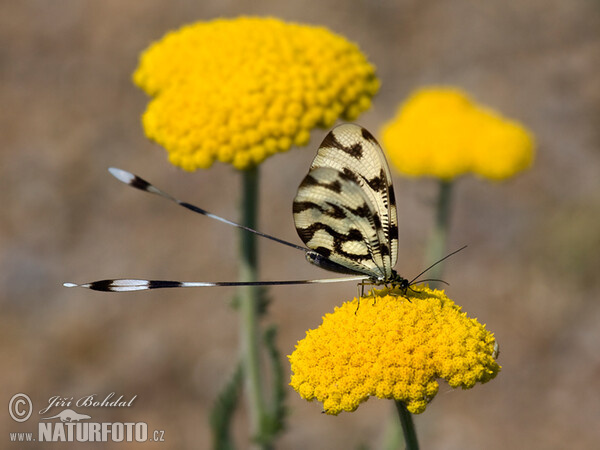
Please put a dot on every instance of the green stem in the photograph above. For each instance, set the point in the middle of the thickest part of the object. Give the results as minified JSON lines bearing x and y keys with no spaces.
{"x":250,"y":335}
{"x":437,"y":244}
{"x":392,"y":436}
{"x":436,"y":250}
{"x":408,"y":427}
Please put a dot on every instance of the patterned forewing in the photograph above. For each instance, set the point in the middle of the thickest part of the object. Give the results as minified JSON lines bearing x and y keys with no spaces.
{"x":355,"y":154}
{"x":335,"y":217}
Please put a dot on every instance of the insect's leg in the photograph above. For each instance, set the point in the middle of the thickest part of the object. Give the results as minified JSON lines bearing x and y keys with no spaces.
{"x":372,"y":291}
{"x":404,"y":293}
{"x":360,"y":292}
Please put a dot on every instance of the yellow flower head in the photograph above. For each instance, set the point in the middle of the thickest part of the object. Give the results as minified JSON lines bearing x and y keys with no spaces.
{"x":240,"y":90}
{"x":392,"y":347}
{"x":442,"y":133}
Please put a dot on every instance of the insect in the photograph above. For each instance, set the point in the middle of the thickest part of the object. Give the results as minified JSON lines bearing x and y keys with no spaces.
{"x":344,"y":211}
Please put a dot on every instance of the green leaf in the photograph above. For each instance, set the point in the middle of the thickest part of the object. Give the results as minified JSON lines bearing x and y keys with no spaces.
{"x":274,"y":422}
{"x":223,"y":410}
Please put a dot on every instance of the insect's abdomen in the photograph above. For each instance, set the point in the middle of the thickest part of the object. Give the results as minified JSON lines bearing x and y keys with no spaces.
{"x":325,"y":263}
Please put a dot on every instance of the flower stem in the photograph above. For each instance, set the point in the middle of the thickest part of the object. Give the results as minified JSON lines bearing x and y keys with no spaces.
{"x":408,"y":427}
{"x":437,"y":242}
{"x":248,"y":295}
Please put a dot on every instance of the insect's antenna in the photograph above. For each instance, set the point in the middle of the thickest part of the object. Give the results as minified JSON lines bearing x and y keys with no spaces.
{"x":429,"y":279}
{"x":436,"y":263}
{"x":139,"y":183}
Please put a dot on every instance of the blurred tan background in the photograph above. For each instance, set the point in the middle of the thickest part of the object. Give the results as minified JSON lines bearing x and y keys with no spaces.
{"x":69,"y":111}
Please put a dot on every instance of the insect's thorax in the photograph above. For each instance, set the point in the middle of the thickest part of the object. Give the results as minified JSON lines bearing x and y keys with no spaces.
{"x":397,"y":280}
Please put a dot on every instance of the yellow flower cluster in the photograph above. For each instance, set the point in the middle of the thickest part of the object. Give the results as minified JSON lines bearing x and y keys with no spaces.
{"x":240,"y":90}
{"x":442,"y":133}
{"x":392,"y":347}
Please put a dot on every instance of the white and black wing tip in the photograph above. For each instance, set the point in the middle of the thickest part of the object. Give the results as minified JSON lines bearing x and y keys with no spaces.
{"x":128,"y":285}
{"x":122,"y":175}
{"x":133,"y":180}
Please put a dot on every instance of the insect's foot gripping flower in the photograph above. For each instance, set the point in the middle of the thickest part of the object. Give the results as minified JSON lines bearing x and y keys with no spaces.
{"x":392,"y":347}
{"x":441,"y":132}
{"x":240,"y":90}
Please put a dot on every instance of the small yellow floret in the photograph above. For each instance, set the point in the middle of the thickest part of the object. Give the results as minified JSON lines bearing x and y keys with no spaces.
{"x":392,"y":347}
{"x":441,"y":132}
{"x":255,"y":86}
